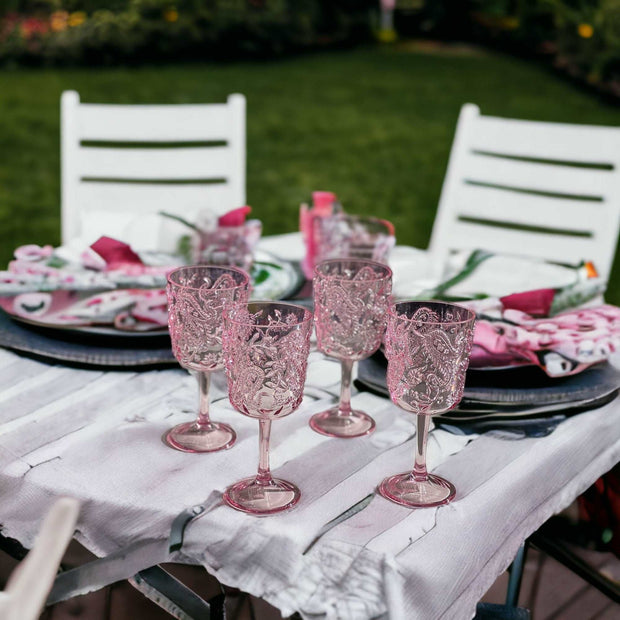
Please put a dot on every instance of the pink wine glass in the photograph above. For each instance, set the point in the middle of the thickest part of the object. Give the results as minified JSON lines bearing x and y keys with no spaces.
{"x":266,"y":348}
{"x":197,"y":296}
{"x":351,"y":298}
{"x":427,"y":346}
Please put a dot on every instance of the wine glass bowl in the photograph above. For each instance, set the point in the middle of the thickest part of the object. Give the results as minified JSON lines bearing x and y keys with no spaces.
{"x":427,"y":346}
{"x":353,"y":236}
{"x":266,"y":347}
{"x":351,"y":298}
{"x":197,"y":296}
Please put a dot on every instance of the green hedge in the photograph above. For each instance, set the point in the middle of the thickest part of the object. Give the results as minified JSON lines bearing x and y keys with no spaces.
{"x":581,"y":37}
{"x":134,"y":31}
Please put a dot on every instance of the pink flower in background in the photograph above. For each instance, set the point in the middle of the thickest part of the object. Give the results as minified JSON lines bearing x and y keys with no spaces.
{"x":33,"y":26}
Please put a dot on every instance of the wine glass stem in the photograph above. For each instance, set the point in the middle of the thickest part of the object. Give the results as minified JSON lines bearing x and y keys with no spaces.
{"x":204,"y":382}
{"x":419,"y":469}
{"x":344,"y":407}
{"x":264,"y":474}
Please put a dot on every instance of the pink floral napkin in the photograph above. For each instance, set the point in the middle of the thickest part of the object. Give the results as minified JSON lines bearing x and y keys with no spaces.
{"x":109,"y":285}
{"x":522,"y":332}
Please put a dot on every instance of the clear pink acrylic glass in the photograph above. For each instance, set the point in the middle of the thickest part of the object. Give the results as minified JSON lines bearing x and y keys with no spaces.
{"x":227,"y":245}
{"x":266,"y":348}
{"x":352,"y":236}
{"x":197,"y":296}
{"x":427,"y":347}
{"x":351,"y":298}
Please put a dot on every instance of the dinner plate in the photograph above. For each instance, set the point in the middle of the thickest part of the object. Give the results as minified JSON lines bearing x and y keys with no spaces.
{"x":85,"y":350}
{"x":507,"y":413}
{"x":93,"y":330}
{"x":513,"y":389}
{"x":272,"y":278}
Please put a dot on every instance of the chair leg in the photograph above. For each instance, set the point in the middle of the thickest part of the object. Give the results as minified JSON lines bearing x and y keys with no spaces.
{"x":13,"y":547}
{"x":177,"y":599}
{"x":560,"y":552}
{"x":516,"y":576}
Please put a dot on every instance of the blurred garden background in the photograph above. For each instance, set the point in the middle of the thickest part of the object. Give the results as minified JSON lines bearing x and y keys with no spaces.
{"x":338,"y":98}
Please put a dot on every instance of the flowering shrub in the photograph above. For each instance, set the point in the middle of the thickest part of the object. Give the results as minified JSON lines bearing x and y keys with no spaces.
{"x":97,"y":32}
{"x":588,"y":38}
{"x":582,"y":36}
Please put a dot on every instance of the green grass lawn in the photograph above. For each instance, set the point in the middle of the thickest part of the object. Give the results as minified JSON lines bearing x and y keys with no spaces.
{"x":374,"y":125}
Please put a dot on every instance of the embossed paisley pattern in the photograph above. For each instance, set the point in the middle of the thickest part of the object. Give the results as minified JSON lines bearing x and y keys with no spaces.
{"x":428,"y":354}
{"x":350,"y":306}
{"x":195,"y":306}
{"x":266,"y":355}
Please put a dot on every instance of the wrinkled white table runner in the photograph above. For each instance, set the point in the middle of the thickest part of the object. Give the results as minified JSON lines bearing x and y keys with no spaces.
{"x":97,"y":436}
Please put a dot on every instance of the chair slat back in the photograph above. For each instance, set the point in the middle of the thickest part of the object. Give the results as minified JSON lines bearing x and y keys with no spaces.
{"x":123,"y":164}
{"x":548,"y":190}
{"x":154,"y":123}
{"x":213,"y":164}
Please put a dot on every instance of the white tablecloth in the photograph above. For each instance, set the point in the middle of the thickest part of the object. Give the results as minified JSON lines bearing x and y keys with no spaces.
{"x":97,"y":436}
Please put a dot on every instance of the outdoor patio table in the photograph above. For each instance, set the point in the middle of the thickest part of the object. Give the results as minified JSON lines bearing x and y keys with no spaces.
{"x":96,"y":435}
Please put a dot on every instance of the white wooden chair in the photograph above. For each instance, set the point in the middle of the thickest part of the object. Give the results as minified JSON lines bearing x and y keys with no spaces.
{"x":30,"y":583}
{"x":123,"y":164}
{"x":546,"y":190}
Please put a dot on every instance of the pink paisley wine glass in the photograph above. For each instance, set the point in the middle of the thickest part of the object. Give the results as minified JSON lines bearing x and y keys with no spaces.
{"x":427,"y":346}
{"x":197,"y":296}
{"x":351,"y":298}
{"x":353,"y":236}
{"x":266,"y":348}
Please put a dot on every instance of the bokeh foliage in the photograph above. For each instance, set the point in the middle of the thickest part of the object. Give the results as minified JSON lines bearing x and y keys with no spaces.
{"x":136,"y":31}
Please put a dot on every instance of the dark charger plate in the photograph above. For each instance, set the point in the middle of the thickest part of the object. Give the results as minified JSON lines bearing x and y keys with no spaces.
{"x":500,"y":398}
{"x":87,"y":350}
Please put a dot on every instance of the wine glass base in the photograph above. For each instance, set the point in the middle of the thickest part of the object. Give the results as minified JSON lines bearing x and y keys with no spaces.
{"x":192,"y":437}
{"x":403,"y":489}
{"x":330,"y":423}
{"x":249,"y":496}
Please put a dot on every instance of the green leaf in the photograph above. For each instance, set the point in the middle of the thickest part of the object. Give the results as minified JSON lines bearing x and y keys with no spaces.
{"x":260,"y":276}
{"x":56,"y":262}
{"x":178,"y":218}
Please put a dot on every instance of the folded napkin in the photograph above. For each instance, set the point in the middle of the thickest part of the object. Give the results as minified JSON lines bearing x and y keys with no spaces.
{"x":110,"y":283}
{"x":509,"y":294}
{"x":480,"y":274}
{"x":561,"y":345}
{"x":106,"y":283}
{"x":116,"y":254}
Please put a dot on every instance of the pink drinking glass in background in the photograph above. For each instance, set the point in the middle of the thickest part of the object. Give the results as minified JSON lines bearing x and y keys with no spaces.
{"x":227,"y":244}
{"x":197,"y":296}
{"x":324,"y":204}
{"x":266,"y":348}
{"x":351,"y":298}
{"x":427,"y":346}
{"x":353,"y":236}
